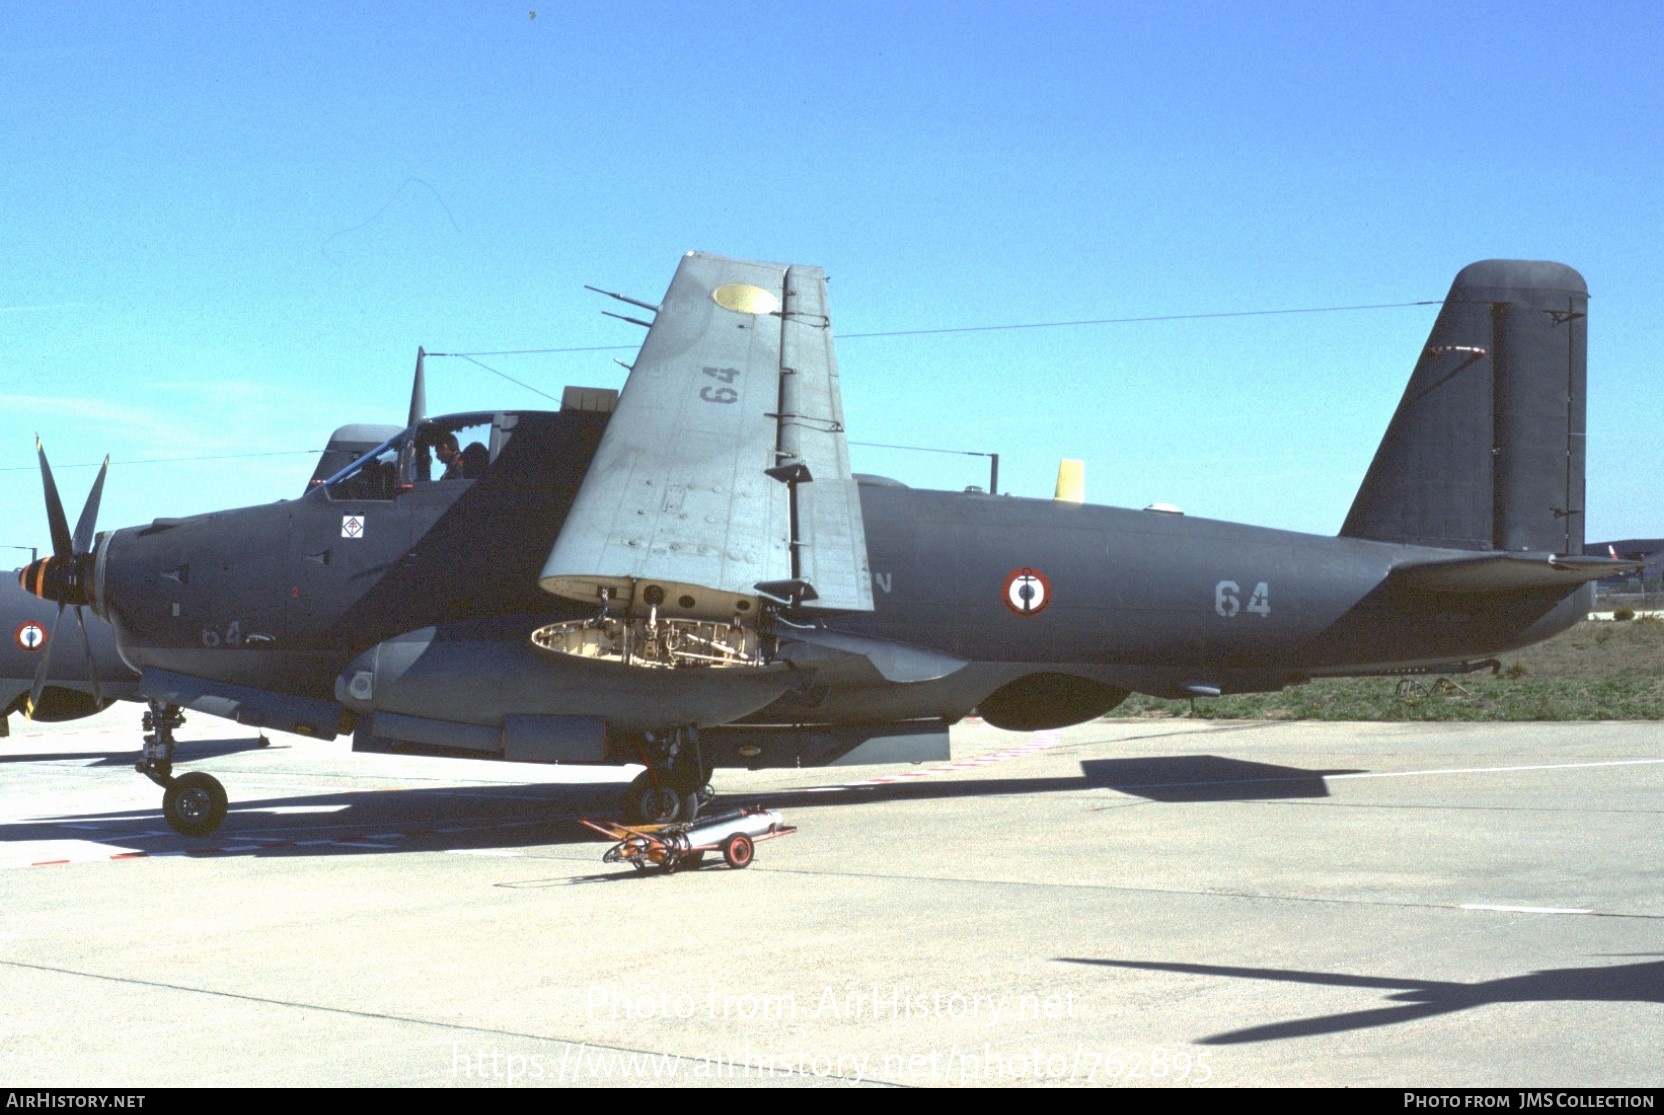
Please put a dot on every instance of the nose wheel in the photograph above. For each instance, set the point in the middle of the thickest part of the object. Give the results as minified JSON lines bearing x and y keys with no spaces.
{"x":194,"y":804}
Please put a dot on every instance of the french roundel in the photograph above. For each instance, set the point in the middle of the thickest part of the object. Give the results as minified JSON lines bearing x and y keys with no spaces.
{"x":30,"y":636}
{"x":1027,"y":592}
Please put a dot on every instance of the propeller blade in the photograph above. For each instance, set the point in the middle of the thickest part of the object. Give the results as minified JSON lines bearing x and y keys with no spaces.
{"x":92,"y":663}
{"x":63,"y":546}
{"x":43,"y":669}
{"x":419,"y":390}
{"x":89,"y":514}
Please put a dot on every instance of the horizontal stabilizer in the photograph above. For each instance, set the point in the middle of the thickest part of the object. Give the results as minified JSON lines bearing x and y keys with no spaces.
{"x":1507,"y":572}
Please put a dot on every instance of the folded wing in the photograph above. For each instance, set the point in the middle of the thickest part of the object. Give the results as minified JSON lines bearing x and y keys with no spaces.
{"x":722,"y":483}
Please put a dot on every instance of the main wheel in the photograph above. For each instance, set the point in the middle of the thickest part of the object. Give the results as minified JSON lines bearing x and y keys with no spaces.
{"x":194,"y":804}
{"x":738,"y":850}
{"x":650,"y":804}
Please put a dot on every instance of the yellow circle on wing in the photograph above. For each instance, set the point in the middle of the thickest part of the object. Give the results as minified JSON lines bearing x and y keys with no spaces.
{"x":743,"y":298}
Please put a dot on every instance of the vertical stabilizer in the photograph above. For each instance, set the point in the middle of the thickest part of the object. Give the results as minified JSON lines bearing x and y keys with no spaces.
{"x":1486,"y":449}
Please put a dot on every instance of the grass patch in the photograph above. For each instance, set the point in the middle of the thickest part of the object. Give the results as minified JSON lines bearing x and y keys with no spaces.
{"x":1595,"y":671}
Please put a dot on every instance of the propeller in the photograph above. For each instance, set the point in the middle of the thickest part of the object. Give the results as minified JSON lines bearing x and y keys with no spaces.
{"x":65,"y":575}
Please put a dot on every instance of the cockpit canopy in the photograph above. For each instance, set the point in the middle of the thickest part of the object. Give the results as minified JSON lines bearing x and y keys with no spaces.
{"x":458,"y":448}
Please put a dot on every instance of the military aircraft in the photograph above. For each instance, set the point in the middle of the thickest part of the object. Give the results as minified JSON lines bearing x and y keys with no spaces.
{"x":1649,"y":552}
{"x":67,"y":693}
{"x":688,"y":576}
{"x":81,"y":687}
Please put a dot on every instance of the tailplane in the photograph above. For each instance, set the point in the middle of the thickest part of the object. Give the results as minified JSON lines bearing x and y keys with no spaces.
{"x":1486,"y":449}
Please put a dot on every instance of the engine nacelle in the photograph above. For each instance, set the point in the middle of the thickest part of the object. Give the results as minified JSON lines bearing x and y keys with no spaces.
{"x":58,"y":704}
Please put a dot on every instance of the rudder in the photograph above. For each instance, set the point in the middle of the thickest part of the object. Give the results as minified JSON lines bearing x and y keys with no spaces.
{"x":1486,"y":449}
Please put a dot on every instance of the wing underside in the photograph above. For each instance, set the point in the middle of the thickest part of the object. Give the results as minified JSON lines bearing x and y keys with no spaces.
{"x":722,"y":482}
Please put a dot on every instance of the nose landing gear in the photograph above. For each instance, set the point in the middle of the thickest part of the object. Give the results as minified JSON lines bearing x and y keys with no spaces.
{"x":194,"y":803}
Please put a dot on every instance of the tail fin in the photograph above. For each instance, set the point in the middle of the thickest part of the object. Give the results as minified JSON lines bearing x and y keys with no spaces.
{"x":1486,"y":449}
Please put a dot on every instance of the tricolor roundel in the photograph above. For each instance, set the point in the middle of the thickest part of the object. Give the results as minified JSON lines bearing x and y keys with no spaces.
{"x":1027,"y":592}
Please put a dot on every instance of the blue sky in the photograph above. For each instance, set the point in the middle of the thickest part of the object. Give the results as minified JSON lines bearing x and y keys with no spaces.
{"x":226,"y":228}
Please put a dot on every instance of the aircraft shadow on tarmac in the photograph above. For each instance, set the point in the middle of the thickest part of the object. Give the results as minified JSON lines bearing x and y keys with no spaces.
{"x":510,"y":815}
{"x":1166,"y":778}
{"x":405,"y":819}
{"x":1617,"y":983}
{"x":186,"y":751}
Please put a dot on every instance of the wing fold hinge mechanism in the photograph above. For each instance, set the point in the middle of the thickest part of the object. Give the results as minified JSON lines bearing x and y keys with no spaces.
{"x":720,"y":493}
{"x":826,"y":539}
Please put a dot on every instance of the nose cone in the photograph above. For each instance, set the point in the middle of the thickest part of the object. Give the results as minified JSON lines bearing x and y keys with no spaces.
{"x":29,"y":578}
{"x":60,"y":580}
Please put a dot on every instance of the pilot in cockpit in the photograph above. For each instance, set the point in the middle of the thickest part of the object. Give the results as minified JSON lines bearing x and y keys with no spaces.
{"x":450,"y":456}
{"x":460,"y":463}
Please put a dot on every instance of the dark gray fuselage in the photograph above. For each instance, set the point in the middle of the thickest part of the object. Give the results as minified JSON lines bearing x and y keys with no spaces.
{"x":280,"y":598}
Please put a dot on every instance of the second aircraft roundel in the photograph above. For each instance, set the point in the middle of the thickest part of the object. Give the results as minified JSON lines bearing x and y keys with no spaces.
{"x":30,"y":635}
{"x":1027,"y":592}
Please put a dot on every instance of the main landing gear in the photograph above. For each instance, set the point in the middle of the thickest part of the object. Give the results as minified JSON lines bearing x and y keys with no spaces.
{"x":676,"y":783}
{"x":194,"y":803}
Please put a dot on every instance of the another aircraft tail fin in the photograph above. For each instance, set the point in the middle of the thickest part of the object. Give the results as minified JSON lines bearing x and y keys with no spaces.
{"x":1486,"y":449}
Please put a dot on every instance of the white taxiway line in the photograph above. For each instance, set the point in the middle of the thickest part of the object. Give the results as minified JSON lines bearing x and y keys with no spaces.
{"x":1521,"y":909}
{"x":1496,"y":770}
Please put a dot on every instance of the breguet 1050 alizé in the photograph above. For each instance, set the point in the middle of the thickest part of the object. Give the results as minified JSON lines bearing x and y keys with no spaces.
{"x":687,"y":575}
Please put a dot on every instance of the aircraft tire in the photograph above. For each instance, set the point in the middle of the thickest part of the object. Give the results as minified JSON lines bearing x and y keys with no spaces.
{"x":649,"y":804}
{"x":194,"y":804}
{"x":738,"y":851}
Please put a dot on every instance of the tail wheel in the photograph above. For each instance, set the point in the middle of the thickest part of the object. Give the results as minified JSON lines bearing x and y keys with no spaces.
{"x":194,"y":804}
{"x":738,"y":850}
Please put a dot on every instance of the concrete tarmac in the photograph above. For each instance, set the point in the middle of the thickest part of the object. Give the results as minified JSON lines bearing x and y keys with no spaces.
{"x":1132,"y":903}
